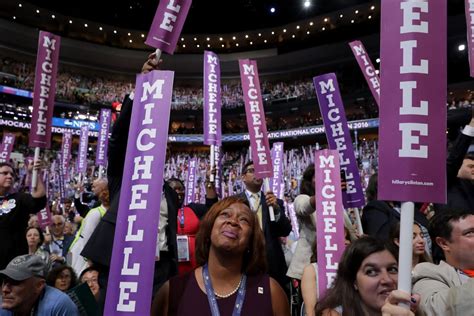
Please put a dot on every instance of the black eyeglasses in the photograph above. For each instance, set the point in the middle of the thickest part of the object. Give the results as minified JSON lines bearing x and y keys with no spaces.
{"x":249,"y":170}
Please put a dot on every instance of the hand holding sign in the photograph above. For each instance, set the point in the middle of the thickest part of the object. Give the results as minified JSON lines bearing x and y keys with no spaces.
{"x":152,"y":63}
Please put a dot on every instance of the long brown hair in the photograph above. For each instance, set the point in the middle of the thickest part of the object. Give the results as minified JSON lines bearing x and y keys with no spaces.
{"x":254,"y":259}
{"x":342,"y":293}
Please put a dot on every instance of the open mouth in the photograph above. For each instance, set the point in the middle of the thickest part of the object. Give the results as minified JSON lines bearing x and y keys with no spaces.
{"x":386,"y":292}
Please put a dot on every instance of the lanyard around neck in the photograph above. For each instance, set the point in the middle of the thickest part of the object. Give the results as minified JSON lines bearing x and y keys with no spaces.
{"x":211,"y":297}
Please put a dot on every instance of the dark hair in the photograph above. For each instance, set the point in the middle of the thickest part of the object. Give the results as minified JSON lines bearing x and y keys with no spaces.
{"x":469,"y":155}
{"x":395,"y":234}
{"x":441,"y":224}
{"x":244,"y":168}
{"x":89,"y":269}
{"x":307,"y":185}
{"x":7,"y":164}
{"x":254,"y":261}
{"x":54,"y":274}
{"x":41,"y":235}
{"x":371,"y":191}
{"x":171,"y":180}
{"x":343,"y":293}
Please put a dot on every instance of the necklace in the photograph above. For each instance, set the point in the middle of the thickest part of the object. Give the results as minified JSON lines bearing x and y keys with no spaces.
{"x":211,"y":296}
{"x":231,"y":293}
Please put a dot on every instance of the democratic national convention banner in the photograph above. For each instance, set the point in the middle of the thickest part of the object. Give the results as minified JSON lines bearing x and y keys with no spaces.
{"x":412,"y":133}
{"x":103,"y":141}
{"x":167,"y":24}
{"x":129,"y":290}
{"x":45,"y":89}
{"x":469,"y":7}
{"x":6,"y":147}
{"x":339,"y":137}
{"x":212,"y":99}
{"x":256,"y":123}
{"x":190,"y":182}
{"x":66,"y":152}
{"x":83,"y":146}
{"x":367,"y":68}
{"x":329,"y":217}
{"x":277,"y":177}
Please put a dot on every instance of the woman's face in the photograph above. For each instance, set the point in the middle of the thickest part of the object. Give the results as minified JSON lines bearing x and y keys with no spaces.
{"x":232,"y":228}
{"x":32,"y":237}
{"x":375,"y":279}
{"x":418,"y":241}
{"x":63,"y":281}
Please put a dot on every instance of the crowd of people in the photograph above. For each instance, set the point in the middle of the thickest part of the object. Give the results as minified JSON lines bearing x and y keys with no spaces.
{"x":80,"y":88}
{"x":57,"y":238}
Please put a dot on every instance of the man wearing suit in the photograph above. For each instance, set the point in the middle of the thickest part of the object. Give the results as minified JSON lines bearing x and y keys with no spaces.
{"x":272,"y":230}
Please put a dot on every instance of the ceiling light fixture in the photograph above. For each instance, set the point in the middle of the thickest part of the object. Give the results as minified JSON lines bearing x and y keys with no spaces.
{"x":272,"y":10}
{"x":307,"y":4}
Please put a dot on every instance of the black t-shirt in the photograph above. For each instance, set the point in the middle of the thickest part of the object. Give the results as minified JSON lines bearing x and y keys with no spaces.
{"x":14,"y":215}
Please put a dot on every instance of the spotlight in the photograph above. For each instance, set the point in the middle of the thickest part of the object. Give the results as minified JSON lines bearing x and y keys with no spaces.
{"x":307,"y":3}
{"x":461,"y":47}
{"x":272,"y":10}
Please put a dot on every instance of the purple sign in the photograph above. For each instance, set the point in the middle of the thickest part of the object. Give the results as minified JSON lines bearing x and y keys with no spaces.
{"x":277,"y":178}
{"x":367,"y":68}
{"x":469,"y":7}
{"x":167,"y":24}
{"x":256,"y":123}
{"x":189,"y":196}
{"x":212,"y":99}
{"x":130,"y":283}
{"x":338,"y":136}
{"x":103,"y":140}
{"x":45,"y":89}
{"x":61,"y":179}
{"x":83,"y":144}
{"x":218,"y":177}
{"x":412,"y":132}
{"x":6,"y":146}
{"x":329,"y":217}
{"x":66,"y":152}
{"x":44,"y":217}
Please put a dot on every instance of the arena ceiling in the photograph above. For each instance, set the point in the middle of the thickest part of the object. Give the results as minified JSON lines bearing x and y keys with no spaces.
{"x":224,"y":26}
{"x":205,"y":16}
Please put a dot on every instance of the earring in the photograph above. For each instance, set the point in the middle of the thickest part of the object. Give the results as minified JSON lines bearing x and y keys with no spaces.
{"x":356,"y":287}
